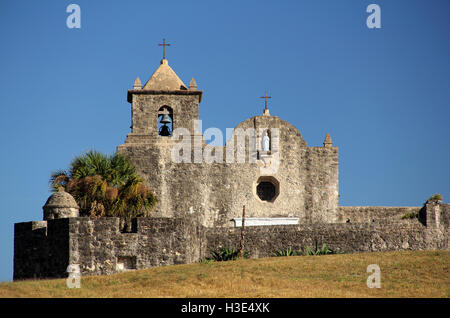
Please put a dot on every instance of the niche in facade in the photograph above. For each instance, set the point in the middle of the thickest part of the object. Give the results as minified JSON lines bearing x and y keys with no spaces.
{"x":266,"y":142}
{"x":267,"y":188}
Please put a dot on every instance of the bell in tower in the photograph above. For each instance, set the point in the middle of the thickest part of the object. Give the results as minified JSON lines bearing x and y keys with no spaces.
{"x":164,"y":130}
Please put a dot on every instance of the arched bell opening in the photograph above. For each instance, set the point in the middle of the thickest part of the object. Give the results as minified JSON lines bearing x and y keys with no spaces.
{"x":165,"y":121}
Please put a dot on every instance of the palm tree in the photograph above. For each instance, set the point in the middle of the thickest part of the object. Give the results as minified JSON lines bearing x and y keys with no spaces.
{"x":105,"y":185}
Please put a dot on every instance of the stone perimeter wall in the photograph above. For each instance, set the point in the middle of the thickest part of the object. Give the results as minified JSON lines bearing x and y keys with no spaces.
{"x":46,"y":248}
{"x":41,"y":249}
{"x":369,"y":213}
{"x":99,"y":246}
{"x":349,"y":238}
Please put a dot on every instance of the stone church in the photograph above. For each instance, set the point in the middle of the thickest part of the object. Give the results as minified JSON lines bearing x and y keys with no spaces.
{"x":304,"y":187}
{"x":289,"y":190}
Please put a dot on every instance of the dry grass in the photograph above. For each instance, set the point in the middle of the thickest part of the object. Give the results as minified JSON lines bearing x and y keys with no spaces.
{"x":403,"y":274}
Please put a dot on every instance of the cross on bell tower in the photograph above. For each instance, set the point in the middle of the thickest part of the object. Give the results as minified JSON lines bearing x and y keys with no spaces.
{"x":164,"y":44}
{"x":266,"y":110}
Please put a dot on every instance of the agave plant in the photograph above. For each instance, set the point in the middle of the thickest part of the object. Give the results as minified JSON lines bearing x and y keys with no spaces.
{"x":318,"y":251}
{"x":224,"y":254}
{"x":105,"y":185}
{"x":286,"y":252}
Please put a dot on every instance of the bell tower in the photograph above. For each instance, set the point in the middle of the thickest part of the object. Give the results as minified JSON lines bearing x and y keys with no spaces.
{"x":160,"y":106}
{"x":163,"y":104}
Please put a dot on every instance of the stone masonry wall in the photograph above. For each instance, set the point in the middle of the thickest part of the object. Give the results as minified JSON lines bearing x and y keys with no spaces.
{"x":41,"y":249}
{"x":46,"y":248}
{"x":349,"y":237}
{"x":321,"y":184}
{"x":358,"y":214}
{"x":99,"y":246}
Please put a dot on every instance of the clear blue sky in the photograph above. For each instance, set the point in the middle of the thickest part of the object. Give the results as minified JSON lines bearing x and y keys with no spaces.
{"x":382,"y":94}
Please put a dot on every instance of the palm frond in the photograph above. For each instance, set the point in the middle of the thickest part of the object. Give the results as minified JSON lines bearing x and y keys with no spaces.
{"x":59,"y":178}
{"x":106,"y":185}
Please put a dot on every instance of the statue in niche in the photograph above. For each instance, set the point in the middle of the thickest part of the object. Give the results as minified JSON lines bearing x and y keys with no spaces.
{"x":265,"y":142}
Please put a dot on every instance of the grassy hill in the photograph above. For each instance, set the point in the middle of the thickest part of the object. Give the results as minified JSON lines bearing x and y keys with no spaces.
{"x":403,"y":274}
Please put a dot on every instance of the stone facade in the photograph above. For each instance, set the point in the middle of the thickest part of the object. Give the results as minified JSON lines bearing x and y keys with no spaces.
{"x":306,"y":178}
{"x":281,"y":178}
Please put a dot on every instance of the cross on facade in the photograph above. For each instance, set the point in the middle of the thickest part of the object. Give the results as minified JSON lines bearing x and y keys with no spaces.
{"x":164,"y":44}
{"x":265,"y":100}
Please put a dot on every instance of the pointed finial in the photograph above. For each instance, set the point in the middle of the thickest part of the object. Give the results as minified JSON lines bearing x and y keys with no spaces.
{"x":327,"y":143}
{"x":193,"y":85}
{"x":137,"y":84}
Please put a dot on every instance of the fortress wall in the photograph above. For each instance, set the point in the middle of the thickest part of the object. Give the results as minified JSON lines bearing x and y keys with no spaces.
{"x":100,"y":247}
{"x":46,"y":248}
{"x":264,"y":241}
{"x":30,"y":243}
{"x":437,"y":215}
{"x":445,"y":213}
{"x":368,"y":213}
{"x":41,"y":249}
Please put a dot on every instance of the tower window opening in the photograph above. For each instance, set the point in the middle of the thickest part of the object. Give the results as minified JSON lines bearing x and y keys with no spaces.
{"x":165,"y":121}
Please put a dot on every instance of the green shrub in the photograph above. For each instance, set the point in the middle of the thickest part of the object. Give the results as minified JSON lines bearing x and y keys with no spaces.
{"x":410,"y":215}
{"x":435,"y":197}
{"x":224,"y":254}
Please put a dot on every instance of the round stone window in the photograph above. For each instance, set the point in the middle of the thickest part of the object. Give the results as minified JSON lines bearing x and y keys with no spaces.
{"x":267,"y":189}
